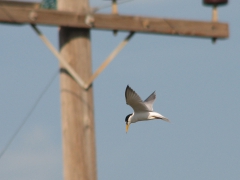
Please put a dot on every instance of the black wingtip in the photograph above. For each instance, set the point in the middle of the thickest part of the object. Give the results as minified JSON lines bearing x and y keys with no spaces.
{"x":126,"y":91}
{"x":128,"y":87}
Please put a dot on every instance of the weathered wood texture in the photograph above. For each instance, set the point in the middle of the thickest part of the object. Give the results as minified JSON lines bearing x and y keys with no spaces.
{"x":20,"y":4}
{"x":24,"y":14}
{"x":78,"y":132}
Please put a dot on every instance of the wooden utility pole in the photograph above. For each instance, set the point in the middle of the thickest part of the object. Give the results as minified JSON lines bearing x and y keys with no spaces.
{"x":75,"y":22}
{"x":77,"y":103}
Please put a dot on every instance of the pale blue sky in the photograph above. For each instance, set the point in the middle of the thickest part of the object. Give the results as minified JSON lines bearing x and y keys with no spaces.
{"x":197,"y":86}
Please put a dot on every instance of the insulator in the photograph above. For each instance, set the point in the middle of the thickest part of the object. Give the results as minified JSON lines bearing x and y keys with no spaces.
{"x":215,"y":2}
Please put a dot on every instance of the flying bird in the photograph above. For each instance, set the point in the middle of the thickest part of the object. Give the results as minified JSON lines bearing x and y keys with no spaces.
{"x":143,"y":110}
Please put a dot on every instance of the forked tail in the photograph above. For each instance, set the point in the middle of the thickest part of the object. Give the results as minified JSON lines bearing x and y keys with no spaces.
{"x":163,"y":118}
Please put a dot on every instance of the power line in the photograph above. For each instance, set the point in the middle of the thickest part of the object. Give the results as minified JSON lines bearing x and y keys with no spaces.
{"x":28,"y":114}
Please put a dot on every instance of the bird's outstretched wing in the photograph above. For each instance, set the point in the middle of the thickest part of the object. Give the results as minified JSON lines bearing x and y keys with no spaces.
{"x":133,"y":100}
{"x":150,"y":100}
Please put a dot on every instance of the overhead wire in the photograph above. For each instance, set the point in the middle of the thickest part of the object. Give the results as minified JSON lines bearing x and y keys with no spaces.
{"x":28,"y":114}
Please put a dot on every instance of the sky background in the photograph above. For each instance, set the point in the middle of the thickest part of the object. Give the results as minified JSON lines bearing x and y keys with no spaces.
{"x":197,"y":86}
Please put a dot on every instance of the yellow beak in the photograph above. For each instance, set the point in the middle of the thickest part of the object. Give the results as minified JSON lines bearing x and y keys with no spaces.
{"x":127,"y":126}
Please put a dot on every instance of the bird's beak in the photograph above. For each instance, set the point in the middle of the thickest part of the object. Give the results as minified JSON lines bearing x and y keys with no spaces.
{"x":127,"y":126}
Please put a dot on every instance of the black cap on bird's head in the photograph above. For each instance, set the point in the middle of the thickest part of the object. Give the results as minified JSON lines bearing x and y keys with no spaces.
{"x":127,"y":122}
{"x":127,"y":117}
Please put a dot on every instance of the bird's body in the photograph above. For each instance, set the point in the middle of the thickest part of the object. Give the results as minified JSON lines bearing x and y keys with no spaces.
{"x":143,"y":116}
{"x":143,"y":110}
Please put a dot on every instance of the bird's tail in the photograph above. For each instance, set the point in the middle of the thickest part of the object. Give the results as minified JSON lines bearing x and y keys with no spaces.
{"x":155,"y":115}
{"x":163,"y":118}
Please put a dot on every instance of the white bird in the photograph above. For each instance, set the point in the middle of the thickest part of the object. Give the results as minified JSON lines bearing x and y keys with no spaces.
{"x":143,"y":110}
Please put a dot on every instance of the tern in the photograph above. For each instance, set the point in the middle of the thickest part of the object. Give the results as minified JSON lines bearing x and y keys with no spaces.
{"x":143,"y":110}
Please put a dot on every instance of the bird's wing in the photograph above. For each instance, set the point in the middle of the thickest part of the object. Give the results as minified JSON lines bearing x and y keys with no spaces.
{"x":150,"y":100}
{"x":133,"y":100}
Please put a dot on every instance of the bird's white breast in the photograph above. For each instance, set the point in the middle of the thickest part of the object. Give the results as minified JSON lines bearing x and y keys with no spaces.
{"x":140,"y":117}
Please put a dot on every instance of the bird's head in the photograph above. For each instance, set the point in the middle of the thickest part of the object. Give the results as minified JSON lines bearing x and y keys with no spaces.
{"x":128,"y":121}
